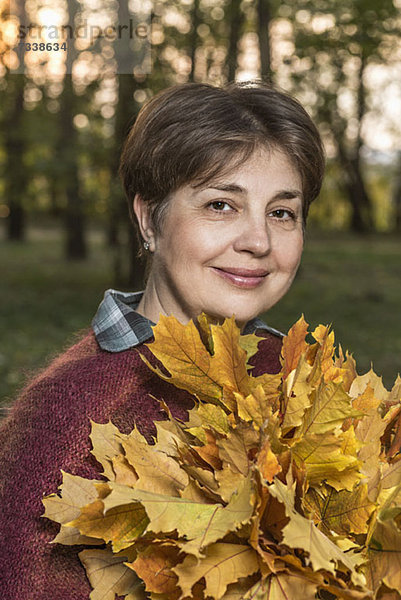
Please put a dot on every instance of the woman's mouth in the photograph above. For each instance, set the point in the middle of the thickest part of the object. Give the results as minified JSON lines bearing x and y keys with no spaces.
{"x":243,"y":278}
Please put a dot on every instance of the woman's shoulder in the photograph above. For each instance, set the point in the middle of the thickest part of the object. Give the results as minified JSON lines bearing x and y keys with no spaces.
{"x":82,"y":363}
{"x":86,"y":383}
{"x":82,"y":381}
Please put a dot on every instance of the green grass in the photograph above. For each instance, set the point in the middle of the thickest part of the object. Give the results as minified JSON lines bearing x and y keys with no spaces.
{"x":44,"y":301}
{"x":353,"y":283}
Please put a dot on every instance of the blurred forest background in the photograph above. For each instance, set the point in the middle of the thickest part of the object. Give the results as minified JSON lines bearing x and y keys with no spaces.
{"x":65,"y":235}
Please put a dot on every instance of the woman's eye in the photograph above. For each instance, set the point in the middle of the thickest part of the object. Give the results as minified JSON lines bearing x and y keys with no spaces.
{"x":220,"y":206}
{"x":283,"y":214}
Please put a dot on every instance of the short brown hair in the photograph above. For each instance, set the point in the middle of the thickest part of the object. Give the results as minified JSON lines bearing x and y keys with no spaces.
{"x":191,"y":132}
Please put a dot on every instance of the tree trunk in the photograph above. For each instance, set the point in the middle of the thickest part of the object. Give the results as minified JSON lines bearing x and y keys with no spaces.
{"x":264,"y":18}
{"x":236,"y":18}
{"x":74,"y":220}
{"x":194,"y":38}
{"x":361,"y":220}
{"x":361,"y":217}
{"x":16,"y":178}
{"x":67,"y":145}
{"x":361,"y":205}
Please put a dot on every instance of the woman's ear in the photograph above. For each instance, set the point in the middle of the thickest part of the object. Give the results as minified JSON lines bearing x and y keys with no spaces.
{"x":141,"y":210}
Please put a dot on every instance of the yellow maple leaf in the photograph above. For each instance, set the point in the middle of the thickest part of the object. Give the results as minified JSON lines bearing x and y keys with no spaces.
{"x":156,"y":470}
{"x":75,"y":492}
{"x":249,"y":342}
{"x":210,"y":416}
{"x":238,"y":511}
{"x":325,"y":358}
{"x":223,"y":564}
{"x":121,"y":525}
{"x":229,"y":360}
{"x":329,"y":457}
{"x":348,"y":368}
{"x":106,"y":444}
{"x":296,"y":395}
{"x":228,"y":482}
{"x":254,"y":407}
{"x":329,"y":408}
{"x":109,"y":575}
{"x":193,"y":520}
{"x":294,"y":345}
{"x":283,"y":586}
{"x":185,"y":357}
{"x":375,"y":382}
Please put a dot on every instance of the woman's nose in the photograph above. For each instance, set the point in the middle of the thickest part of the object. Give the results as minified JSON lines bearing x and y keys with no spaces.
{"x":253,"y":237}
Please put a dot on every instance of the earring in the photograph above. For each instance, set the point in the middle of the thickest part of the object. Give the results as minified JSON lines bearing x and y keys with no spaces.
{"x":146,"y":245}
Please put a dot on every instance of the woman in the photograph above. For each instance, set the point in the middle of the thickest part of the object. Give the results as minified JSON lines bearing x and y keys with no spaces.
{"x":219,"y":182}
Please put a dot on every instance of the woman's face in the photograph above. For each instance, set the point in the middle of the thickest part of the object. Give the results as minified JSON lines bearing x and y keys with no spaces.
{"x":232,"y":246}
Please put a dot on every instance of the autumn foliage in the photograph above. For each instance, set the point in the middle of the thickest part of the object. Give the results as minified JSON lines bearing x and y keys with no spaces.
{"x":279,"y":487}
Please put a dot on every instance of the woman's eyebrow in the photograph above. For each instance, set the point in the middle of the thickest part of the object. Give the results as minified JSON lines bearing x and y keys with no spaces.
{"x":223,"y":187}
{"x":238,"y":189}
{"x":288,"y":195}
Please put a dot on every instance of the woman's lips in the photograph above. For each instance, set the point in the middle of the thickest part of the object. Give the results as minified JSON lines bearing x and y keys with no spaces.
{"x":244,"y":278}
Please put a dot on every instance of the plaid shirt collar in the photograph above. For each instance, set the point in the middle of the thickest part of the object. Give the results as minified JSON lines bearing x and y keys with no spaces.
{"x":118,"y":326}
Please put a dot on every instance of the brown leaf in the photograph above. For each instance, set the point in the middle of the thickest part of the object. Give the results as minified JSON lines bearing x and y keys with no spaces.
{"x":385,"y":556}
{"x":154,"y":565}
{"x":234,"y":450}
{"x":343,"y":512}
{"x":267,"y":462}
{"x":209,"y":452}
{"x":124,"y":472}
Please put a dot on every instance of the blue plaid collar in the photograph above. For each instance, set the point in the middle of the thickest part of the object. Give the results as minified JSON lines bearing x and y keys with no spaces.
{"x":118,"y":326}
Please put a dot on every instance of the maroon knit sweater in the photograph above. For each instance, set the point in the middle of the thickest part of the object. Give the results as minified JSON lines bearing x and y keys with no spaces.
{"x":48,"y":430}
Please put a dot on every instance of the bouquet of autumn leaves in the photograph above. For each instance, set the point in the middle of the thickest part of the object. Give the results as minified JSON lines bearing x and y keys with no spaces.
{"x":278,"y":487}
